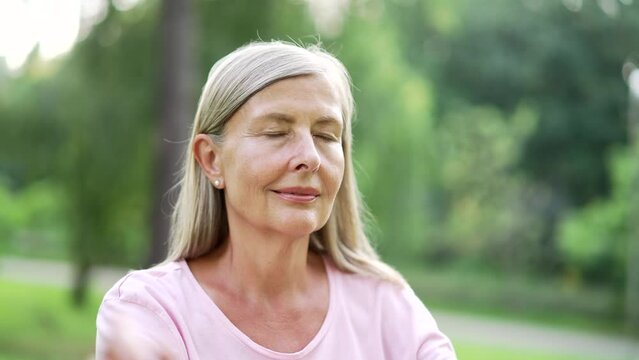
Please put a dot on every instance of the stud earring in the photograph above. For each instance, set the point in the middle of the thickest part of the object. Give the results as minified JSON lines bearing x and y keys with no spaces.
{"x":217,"y":183}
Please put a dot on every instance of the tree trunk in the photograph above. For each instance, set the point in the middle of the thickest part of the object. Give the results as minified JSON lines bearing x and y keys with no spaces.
{"x":175,"y":108}
{"x":80,"y":282}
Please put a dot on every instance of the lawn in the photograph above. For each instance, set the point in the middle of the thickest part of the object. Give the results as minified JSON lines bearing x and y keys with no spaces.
{"x":466,"y":351}
{"x":38,"y":322}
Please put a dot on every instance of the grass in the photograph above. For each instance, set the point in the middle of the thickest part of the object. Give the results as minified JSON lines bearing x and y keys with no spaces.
{"x":469,"y":351}
{"x":39,"y":322}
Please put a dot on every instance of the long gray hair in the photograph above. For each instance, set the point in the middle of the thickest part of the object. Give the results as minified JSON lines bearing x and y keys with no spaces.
{"x":199,"y":223}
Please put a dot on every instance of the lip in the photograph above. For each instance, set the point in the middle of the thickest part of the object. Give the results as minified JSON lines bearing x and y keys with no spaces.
{"x":298,"y":194}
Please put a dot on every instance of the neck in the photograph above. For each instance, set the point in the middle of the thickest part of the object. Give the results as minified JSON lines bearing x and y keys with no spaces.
{"x":267,"y":267}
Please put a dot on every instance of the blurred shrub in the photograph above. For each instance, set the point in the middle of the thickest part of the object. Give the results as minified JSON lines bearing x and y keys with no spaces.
{"x":483,"y":215}
{"x":392,"y":135}
{"x":32,"y":220}
{"x":594,"y":238}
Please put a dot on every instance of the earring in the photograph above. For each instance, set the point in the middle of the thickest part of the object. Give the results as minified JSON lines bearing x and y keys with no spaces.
{"x":217,"y":183}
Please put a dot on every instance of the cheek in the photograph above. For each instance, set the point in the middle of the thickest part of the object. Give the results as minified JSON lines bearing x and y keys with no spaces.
{"x":335,"y":169}
{"x":254,"y":169}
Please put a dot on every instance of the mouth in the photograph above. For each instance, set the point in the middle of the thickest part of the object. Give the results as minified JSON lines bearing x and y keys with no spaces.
{"x":298,"y":194}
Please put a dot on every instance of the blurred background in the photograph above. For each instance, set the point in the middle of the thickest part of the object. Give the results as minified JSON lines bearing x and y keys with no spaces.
{"x":496,"y":146}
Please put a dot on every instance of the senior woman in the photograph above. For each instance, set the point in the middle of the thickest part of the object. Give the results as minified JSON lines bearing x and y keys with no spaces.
{"x":268,"y":256}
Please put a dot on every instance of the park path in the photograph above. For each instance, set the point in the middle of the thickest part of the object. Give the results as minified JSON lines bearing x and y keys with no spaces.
{"x":459,"y":327}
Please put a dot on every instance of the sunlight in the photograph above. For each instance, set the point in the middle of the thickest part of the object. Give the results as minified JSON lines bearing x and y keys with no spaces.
{"x":328,"y":15}
{"x":633,"y":83}
{"x":17,"y":37}
{"x":56,"y":24}
{"x":53,"y":26}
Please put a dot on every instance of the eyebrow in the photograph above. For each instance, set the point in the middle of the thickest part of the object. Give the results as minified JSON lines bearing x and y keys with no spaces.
{"x":285,"y":118}
{"x":279,"y":117}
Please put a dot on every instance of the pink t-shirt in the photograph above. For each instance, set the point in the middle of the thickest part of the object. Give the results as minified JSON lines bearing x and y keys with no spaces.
{"x":165,"y":308}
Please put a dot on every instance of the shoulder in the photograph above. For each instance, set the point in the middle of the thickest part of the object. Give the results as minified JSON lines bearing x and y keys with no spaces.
{"x":140,"y":309}
{"x":158,"y":291}
{"x":371,"y":291}
{"x":146,"y":287}
{"x":395,"y":312}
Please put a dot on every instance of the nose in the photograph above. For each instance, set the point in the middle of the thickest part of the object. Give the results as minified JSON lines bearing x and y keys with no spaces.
{"x":305,"y":155}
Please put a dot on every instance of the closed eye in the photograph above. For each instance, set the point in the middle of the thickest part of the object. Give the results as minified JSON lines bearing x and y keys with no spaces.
{"x":327,"y":137}
{"x":275,"y":134}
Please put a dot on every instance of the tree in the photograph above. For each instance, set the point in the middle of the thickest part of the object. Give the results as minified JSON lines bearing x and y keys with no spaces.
{"x":103,"y":105}
{"x":176,"y":109}
{"x":562,"y":62}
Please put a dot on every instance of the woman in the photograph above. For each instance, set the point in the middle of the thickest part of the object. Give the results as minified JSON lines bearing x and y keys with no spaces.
{"x":268,"y":257}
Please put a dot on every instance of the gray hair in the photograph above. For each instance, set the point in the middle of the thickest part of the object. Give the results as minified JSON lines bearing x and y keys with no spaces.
{"x":199,"y":222}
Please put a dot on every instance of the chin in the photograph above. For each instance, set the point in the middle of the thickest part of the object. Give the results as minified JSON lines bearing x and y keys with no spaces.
{"x":299,"y":227}
{"x":299,"y":231}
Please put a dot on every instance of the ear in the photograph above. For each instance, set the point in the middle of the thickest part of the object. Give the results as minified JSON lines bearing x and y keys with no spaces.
{"x":206,"y":154}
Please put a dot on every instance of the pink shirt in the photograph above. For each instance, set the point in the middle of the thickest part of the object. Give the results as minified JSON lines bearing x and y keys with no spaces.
{"x":165,"y":308}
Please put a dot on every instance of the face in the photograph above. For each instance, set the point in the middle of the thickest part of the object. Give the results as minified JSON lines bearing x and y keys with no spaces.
{"x":282,"y":160}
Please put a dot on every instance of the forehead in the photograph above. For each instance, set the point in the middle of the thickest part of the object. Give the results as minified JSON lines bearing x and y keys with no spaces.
{"x":309,"y":95}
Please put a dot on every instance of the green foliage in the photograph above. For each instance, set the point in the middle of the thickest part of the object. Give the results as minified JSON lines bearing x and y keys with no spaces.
{"x":86,"y":124}
{"x":32,"y":220}
{"x":392,"y":134}
{"x":595,"y":238}
{"x":565,"y":64}
{"x":484,"y":216}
